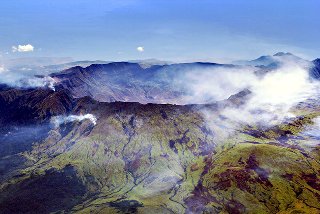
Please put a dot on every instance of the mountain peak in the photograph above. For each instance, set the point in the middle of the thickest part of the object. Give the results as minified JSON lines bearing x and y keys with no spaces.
{"x":317,"y":61}
{"x":283,"y":54}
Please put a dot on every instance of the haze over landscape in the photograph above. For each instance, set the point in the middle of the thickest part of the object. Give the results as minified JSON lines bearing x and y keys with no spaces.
{"x":139,"y":106}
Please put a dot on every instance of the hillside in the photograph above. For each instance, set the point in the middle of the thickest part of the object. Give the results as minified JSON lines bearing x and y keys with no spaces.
{"x":152,"y":158}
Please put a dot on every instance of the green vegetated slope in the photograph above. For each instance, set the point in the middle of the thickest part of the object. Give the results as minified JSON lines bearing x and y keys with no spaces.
{"x":167,"y":159}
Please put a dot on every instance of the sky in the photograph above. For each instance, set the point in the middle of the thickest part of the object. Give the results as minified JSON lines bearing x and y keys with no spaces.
{"x":175,"y":30}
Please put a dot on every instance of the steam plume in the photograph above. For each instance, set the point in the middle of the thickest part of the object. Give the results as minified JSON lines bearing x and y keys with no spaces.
{"x":58,"y":120}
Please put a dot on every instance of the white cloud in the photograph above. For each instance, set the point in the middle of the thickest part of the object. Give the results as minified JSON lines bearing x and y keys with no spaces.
{"x":58,"y":120}
{"x":23,"y":48}
{"x":140,"y":49}
{"x":206,"y":85}
{"x":35,"y":82}
{"x":2,"y":69}
{"x":273,"y":95}
{"x":25,"y":79}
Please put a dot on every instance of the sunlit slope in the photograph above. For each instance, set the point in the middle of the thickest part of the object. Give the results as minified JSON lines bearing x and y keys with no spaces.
{"x":164,"y":159}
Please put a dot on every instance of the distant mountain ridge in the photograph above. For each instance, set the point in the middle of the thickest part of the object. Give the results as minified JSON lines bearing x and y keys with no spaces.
{"x":144,"y":81}
{"x":130,"y":82}
{"x":270,"y":61}
{"x":159,"y":83}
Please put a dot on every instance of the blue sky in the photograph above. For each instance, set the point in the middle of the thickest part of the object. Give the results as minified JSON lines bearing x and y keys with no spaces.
{"x":177,"y":30}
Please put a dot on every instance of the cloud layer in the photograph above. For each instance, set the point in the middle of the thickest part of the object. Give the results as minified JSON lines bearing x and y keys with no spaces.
{"x":23,"y":79}
{"x":273,"y":94}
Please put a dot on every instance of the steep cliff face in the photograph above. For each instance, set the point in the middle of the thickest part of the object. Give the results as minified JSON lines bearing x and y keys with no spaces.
{"x":24,"y":106}
{"x":152,"y":158}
